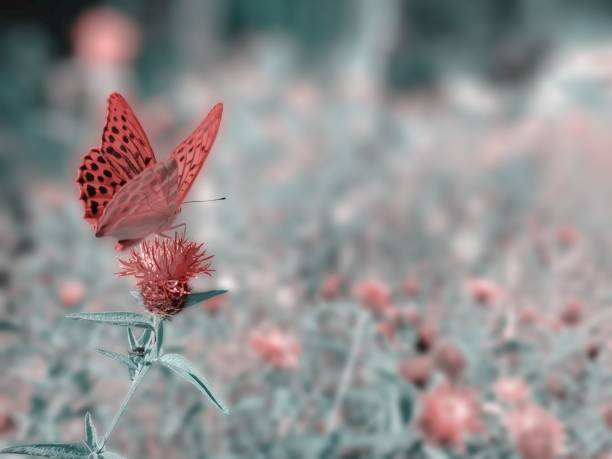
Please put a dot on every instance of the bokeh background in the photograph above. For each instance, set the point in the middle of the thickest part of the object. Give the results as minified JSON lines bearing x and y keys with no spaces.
{"x":416,"y":238}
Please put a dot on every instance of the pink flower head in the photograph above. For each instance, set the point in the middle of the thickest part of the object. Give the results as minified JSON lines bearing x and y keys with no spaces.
{"x":449,"y":415}
{"x":331,"y":287}
{"x":71,"y":292}
{"x":373,"y":294}
{"x":485,"y":291}
{"x":280,"y":349}
{"x":606,"y":415}
{"x":513,"y":391}
{"x":567,"y":235}
{"x":450,"y":360}
{"x":105,"y":36}
{"x":536,"y":433}
{"x":163,"y":268}
{"x":410,"y":287}
{"x":416,"y":370}
{"x":572,"y":313}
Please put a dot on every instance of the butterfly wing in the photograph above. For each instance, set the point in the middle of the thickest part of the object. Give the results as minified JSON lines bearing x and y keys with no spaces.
{"x":124,"y":154}
{"x":191,"y":153}
{"x":145,"y":205}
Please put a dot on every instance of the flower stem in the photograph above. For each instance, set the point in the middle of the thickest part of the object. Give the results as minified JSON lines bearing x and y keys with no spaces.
{"x":135,"y":382}
{"x":331,"y":423}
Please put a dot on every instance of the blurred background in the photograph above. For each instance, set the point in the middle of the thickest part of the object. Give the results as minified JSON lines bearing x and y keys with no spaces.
{"x":415,"y":239}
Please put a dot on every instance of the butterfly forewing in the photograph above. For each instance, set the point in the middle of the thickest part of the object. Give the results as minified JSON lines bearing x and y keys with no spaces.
{"x":193,"y":151}
{"x":124,"y":154}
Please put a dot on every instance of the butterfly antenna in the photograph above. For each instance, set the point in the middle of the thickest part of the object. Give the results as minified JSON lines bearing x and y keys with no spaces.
{"x":206,"y":200}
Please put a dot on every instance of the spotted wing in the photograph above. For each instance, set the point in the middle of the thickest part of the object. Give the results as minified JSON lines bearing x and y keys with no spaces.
{"x":193,"y":151}
{"x":124,"y":154}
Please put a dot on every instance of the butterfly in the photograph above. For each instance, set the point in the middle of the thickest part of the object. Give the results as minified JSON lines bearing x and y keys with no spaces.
{"x":126,"y":193}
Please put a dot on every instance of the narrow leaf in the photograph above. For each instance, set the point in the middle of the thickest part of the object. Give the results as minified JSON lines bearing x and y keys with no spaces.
{"x":159,"y":338}
{"x":198,"y":297}
{"x":119,"y":358}
{"x":124,"y":319}
{"x":56,"y":450}
{"x":91,"y":436}
{"x":131,"y":339}
{"x":182,"y":367}
{"x":146,"y":336}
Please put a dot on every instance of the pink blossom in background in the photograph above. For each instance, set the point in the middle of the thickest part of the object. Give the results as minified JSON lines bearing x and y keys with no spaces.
{"x":450,"y":415}
{"x":606,"y":415}
{"x":7,"y":424}
{"x":567,"y":235}
{"x":71,"y":292}
{"x":416,"y":370}
{"x":373,"y":295}
{"x":330,"y":289}
{"x":216,"y":304}
{"x":512,"y":390}
{"x":536,"y":433}
{"x":572,"y":313}
{"x":450,"y":361}
{"x":103,"y":35}
{"x":410,"y":287}
{"x":484,"y":291}
{"x":280,"y":349}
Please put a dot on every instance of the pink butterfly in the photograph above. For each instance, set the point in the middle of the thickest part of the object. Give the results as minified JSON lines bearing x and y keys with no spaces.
{"x":126,"y":193}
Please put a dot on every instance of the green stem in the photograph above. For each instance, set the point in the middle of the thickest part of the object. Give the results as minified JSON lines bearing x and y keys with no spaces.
{"x":135,"y":383}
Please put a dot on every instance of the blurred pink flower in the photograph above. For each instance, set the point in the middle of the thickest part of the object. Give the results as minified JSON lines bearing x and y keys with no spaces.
{"x":104,"y":35}
{"x":449,"y":414}
{"x":373,"y":294}
{"x":572,"y":312}
{"x":330,"y":289}
{"x":606,"y":415}
{"x":484,"y":291}
{"x":567,"y":235}
{"x":514,"y":391}
{"x":450,"y":360}
{"x":71,"y":292}
{"x":215,"y":305}
{"x":410,"y":287}
{"x":279,"y":348}
{"x":426,"y":337}
{"x":536,"y":433}
{"x":386,"y":328}
{"x":7,"y":423}
{"x":416,"y":370}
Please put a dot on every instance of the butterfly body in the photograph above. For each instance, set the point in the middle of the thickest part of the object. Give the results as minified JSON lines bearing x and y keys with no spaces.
{"x":126,"y":193}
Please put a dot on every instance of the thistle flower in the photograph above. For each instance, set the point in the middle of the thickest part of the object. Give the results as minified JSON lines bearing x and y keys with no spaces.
{"x":279,"y":348}
{"x":163,"y":268}
{"x":536,"y":433}
{"x":449,"y":414}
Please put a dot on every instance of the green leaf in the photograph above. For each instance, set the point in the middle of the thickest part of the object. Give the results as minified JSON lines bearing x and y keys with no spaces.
{"x":131,"y":339}
{"x":159,"y":338}
{"x":198,"y":297}
{"x":146,"y":336}
{"x":123,"y":319}
{"x":182,"y":367}
{"x":57,"y":450}
{"x":91,"y":436}
{"x":119,"y":358}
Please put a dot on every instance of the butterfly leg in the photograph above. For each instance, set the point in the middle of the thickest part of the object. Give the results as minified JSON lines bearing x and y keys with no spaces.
{"x":182,"y":225}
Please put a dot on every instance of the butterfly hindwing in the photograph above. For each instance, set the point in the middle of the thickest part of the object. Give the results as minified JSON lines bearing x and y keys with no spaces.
{"x":193,"y":151}
{"x":97,"y":184}
{"x":143,"y":206}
